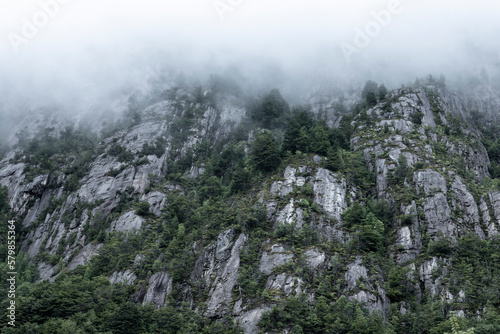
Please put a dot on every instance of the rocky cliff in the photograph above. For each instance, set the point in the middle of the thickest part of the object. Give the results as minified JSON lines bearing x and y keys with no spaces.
{"x":150,"y":193}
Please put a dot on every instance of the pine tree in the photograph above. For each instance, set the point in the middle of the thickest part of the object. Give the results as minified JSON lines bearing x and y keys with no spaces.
{"x":334,"y":161}
{"x":303,"y":140}
{"x":241,"y":180}
{"x":272,"y":107}
{"x":371,"y":99}
{"x":382,"y":92}
{"x":290,"y":137}
{"x":265,"y":153}
{"x":321,"y":143}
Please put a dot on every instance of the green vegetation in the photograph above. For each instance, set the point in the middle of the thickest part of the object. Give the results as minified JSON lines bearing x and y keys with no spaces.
{"x":265,"y":152}
{"x":48,"y":153}
{"x":222,"y":182}
{"x":270,"y":111}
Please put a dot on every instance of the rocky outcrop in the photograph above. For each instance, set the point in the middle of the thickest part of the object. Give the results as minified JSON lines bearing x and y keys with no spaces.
{"x":276,"y":256}
{"x":355,"y":272}
{"x":156,"y":201}
{"x":84,"y":255}
{"x":432,"y":198}
{"x":432,"y":273}
{"x":217,"y":266}
{"x":283,"y":188}
{"x":291,"y":215}
{"x":285,"y":283}
{"x":362,"y":287}
{"x":124,"y":277}
{"x":330,"y":193}
{"x":159,"y":287}
{"x":248,"y":320}
{"x":429,"y":182}
{"x":129,"y":221}
{"x":314,"y":258}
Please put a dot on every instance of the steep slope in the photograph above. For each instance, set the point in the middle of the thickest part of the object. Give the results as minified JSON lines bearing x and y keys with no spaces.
{"x":392,"y":222}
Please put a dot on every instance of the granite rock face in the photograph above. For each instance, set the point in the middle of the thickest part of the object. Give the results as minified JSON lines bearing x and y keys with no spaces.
{"x":426,"y":177}
{"x":159,"y":287}
{"x":125,"y":277}
{"x":330,"y":193}
{"x":217,"y":266}
{"x":108,"y":179}
{"x":276,"y":256}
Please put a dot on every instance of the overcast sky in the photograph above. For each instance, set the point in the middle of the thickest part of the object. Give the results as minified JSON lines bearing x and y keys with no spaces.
{"x":51,"y":46}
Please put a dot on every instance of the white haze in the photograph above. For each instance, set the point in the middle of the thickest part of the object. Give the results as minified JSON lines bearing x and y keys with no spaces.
{"x":92,"y":49}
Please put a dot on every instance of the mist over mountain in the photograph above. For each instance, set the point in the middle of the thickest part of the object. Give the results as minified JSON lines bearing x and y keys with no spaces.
{"x":231,"y":166}
{"x":87,"y":49}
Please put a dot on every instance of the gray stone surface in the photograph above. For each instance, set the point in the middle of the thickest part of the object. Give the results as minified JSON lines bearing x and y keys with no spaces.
{"x":314,"y":258}
{"x":84,"y":255}
{"x":330,"y":193}
{"x":277,"y":256}
{"x":125,"y":277}
{"x":218,"y":265}
{"x":156,"y":201}
{"x":129,"y":221}
{"x":159,"y":287}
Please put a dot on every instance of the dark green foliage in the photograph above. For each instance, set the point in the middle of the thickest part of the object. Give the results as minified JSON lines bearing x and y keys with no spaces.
{"x":382,"y":92}
{"x":295,"y":237}
{"x":241,"y":180}
{"x":402,"y":170}
{"x":341,"y":316}
{"x":114,"y":255}
{"x":494,"y":150}
{"x":416,"y":117}
{"x":77,"y":304}
{"x":270,"y":110}
{"x":354,"y":215}
{"x":83,"y":301}
{"x":265,"y":153}
{"x":341,"y":136}
{"x":359,"y":173}
{"x":121,"y":153}
{"x":143,"y":209}
{"x":210,"y":188}
{"x":126,"y":319}
{"x":441,"y":247}
{"x":477,"y":270}
{"x":370,"y":87}
{"x":301,"y":122}
{"x":303,"y":140}
{"x":371,"y":99}
{"x":230,"y":160}
{"x":400,"y":285}
{"x":157,"y":149}
{"x":334,"y":160}
{"x":4,"y":204}
{"x":368,"y":229}
{"x":250,"y":280}
{"x":320,"y":143}
{"x":494,"y":169}
{"x":419,"y":165}
{"x":370,"y":235}
{"x":49,"y":152}
{"x":305,"y":134}
{"x":406,"y":220}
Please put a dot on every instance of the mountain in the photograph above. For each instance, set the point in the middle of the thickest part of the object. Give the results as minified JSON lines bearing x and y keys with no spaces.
{"x":203,"y":210}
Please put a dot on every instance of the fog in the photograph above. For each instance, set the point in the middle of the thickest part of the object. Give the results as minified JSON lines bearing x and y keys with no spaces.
{"x":80,"y":54}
